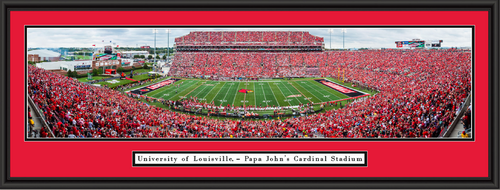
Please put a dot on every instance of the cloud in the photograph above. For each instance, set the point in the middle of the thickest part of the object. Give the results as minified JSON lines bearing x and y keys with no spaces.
{"x":353,"y":38}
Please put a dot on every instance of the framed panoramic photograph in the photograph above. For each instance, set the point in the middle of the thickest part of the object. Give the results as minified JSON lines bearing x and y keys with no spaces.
{"x":326,"y":94}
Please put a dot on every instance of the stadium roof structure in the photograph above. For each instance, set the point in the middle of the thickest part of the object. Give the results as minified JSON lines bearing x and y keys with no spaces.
{"x":57,"y":64}
{"x":44,"y":53}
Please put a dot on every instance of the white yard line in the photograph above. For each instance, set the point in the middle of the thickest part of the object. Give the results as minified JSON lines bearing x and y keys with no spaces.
{"x":170,"y":88}
{"x":291,"y":93}
{"x":211,"y":91}
{"x":346,"y":86}
{"x":245,"y":95}
{"x":252,"y":81}
{"x":201,"y":90}
{"x":137,"y":87}
{"x":324,"y":90}
{"x":307,"y":91}
{"x":281,"y":93}
{"x":275,"y":97}
{"x":227,"y":91}
{"x":180,"y":92}
{"x":254,"y":95}
{"x":166,"y":89}
{"x":218,"y":92}
{"x":262,"y":86}
{"x":237,"y":94}
{"x":313,"y":88}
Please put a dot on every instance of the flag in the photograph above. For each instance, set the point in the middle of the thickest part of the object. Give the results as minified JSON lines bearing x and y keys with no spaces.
{"x":102,"y":40}
{"x":93,"y":44}
{"x":117,"y":45}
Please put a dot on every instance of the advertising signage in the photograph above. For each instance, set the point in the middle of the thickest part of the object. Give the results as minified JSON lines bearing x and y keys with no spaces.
{"x":417,"y":44}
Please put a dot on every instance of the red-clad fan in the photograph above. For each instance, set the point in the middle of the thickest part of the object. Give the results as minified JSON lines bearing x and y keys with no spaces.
{"x":420,"y":92}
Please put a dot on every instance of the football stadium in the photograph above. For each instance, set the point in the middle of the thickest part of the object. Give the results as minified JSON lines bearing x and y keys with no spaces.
{"x":260,"y":84}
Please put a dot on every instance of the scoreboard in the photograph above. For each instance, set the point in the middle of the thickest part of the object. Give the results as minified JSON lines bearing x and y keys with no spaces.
{"x":435,"y":43}
{"x":417,"y":43}
{"x":108,"y":49}
{"x":401,"y":44}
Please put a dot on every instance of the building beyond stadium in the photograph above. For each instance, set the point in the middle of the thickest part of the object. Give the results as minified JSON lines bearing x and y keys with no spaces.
{"x":105,"y":58}
{"x":43,"y":55}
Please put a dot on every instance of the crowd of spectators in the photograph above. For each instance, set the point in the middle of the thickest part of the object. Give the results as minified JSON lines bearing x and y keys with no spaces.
{"x":255,"y":36}
{"x":237,"y":37}
{"x":420,"y":92}
{"x":201,"y":36}
{"x":215,"y":37}
{"x":244,"y":64}
{"x":242,"y":36}
{"x":268,"y":37}
{"x":282,"y":36}
{"x":193,"y":104}
{"x":226,"y":37}
{"x":296,"y":36}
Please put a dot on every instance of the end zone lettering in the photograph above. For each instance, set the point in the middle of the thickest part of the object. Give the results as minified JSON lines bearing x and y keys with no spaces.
{"x":337,"y":87}
{"x":153,"y":87}
{"x":161,"y":84}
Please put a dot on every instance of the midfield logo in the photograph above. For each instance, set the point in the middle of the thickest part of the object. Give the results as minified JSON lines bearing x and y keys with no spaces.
{"x":245,"y":91}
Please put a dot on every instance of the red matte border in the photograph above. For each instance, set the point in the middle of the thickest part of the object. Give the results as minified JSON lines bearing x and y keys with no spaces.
{"x":113,"y":159}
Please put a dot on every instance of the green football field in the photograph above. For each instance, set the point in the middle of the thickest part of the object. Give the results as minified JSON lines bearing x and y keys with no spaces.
{"x":265,"y":93}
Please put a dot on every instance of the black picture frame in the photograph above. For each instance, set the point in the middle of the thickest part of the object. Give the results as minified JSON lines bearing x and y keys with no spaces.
{"x":491,"y":182}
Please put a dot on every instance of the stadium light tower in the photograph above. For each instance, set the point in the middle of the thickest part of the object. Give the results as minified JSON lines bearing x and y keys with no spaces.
{"x":331,"y":32}
{"x":168,"y":44}
{"x":343,"y":37}
{"x":154,"y":32}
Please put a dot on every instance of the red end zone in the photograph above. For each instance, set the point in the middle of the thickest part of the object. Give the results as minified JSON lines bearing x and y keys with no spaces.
{"x":342,"y":89}
{"x":337,"y":87}
{"x":161,"y":84}
{"x":153,"y":87}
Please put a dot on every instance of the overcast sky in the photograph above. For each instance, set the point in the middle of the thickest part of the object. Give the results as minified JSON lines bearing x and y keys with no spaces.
{"x":132,"y":37}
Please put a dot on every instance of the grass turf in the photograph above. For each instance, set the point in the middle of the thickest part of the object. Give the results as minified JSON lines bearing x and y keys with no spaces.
{"x":124,"y":82}
{"x":265,"y":93}
{"x":84,"y":79}
{"x":139,"y":71}
{"x":206,"y":91}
